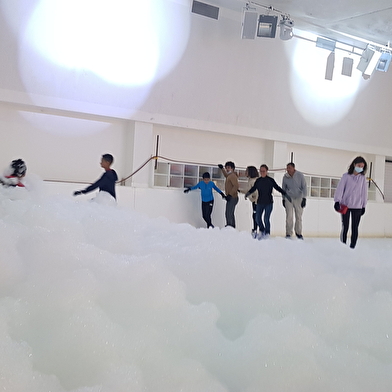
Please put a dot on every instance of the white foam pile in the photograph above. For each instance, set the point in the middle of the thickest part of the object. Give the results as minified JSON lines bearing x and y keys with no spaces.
{"x":96,"y":298}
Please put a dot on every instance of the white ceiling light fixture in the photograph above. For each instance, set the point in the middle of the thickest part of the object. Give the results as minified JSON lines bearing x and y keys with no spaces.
{"x":268,"y":22}
{"x":286,"y":28}
{"x":267,"y":26}
{"x":249,"y":22}
{"x":368,"y":62}
{"x":384,"y":61}
{"x":325,"y":43}
{"x":330,"y":66}
{"x":347,"y":66}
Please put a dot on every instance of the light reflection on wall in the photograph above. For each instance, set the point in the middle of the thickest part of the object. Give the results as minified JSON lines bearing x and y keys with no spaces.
{"x":94,"y":36}
{"x":321,"y":102}
{"x":64,"y":126}
{"x":95,"y":51}
{"x":119,"y":40}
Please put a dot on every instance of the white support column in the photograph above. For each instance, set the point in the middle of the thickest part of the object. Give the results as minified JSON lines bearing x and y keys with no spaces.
{"x":281,"y":155}
{"x":139,"y":146}
{"x":276,"y":156}
{"x":378,"y":175}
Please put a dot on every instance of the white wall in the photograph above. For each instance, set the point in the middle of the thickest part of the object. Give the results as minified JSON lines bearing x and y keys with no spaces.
{"x":220,"y":83}
{"x":211,"y":148}
{"x":58,"y":147}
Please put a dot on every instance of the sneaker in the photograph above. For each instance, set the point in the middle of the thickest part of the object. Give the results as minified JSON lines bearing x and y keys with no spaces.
{"x":261,"y":235}
{"x":288,"y":236}
{"x":254,"y":234}
{"x":300,"y":236}
{"x":266,"y":236}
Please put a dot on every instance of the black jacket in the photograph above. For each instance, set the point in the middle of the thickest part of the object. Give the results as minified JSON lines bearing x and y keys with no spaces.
{"x":264,"y":186}
{"x":106,"y":183}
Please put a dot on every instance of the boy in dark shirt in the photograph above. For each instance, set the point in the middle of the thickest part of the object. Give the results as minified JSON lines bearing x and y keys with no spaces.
{"x":107,"y":181}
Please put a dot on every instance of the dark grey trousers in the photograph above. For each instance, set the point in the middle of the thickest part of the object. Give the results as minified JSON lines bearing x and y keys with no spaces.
{"x":230,"y":208}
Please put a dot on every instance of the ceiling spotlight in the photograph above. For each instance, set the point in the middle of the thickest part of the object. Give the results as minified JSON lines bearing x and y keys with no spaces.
{"x":249,"y":23}
{"x":286,"y":28}
{"x":267,"y":26}
{"x":324,"y":43}
{"x":384,"y":61}
{"x":330,"y":66}
{"x":369,"y":60}
{"x":347,"y":66}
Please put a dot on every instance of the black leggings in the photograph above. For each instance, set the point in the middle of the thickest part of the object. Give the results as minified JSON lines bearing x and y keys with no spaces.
{"x":206,"y":209}
{"x":355,"y":219}
{"x":254,"y":206}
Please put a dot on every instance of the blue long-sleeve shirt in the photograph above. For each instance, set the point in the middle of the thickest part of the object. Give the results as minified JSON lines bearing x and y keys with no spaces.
{"x":106,"y":183}
{"x":206,"y":190}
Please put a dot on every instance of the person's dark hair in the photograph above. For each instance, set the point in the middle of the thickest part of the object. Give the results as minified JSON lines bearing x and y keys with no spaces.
{"x":264,"y":166}
{"x":18,"y":168}
{"x":206,"y":175}
{"x":108,"y":157}
{"x":252,"y":172}
{"x":291,"y":164}
{"x":354,"y":162}
{"x":230,"y":164}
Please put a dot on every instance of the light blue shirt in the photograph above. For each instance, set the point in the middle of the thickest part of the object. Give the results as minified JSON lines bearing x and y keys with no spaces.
{"x":206,"y":190}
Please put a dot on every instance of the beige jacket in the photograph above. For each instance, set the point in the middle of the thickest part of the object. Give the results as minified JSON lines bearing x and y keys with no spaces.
{"x":253,"y":196}
{"x":231,"y":184}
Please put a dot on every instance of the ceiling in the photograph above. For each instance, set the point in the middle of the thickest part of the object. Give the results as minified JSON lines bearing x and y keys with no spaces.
{"x":355,"y":22}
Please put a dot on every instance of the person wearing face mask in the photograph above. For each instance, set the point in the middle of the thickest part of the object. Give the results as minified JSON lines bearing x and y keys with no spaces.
{"x":352,"y":192}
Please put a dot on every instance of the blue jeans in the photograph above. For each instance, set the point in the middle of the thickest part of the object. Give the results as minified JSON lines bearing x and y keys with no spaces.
{"x":265,"y":227}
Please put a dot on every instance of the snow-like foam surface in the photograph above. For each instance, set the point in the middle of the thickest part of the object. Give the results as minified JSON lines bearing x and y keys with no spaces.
{"x":94,"y":297}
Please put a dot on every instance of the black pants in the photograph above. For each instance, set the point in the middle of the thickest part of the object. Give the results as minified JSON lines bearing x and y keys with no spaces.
{"x":355,"y":219}
{"x":206,"y":209}
{"x":254,"y":206}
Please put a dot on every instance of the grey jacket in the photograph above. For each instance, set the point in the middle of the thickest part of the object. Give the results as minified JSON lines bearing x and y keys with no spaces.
{"x":295,"y":186}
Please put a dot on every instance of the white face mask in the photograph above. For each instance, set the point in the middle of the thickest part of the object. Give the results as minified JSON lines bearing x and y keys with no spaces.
{"x":358,"y":169}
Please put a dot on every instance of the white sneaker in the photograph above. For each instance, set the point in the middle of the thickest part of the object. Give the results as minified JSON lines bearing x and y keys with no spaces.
{"x":266,"y":236}
{"x":261,"y":235}
{"x":254,"y":234}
